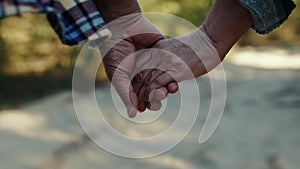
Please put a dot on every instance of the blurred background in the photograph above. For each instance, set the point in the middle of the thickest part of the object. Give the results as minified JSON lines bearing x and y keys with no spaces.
{"x":32,"y":56}
{"x":37,"y":116}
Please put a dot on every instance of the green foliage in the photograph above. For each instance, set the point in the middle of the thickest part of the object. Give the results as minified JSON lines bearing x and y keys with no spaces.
{"x":196,"y":11}
{"x":3,"y":54}
{"x":30,"y":45}
{"x":33,"y":61}
{"x":30,"y":48}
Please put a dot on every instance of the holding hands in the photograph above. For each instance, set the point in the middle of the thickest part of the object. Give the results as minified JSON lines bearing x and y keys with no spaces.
{"x":144,"y":67}
{"x":144,"y":76}
{"x":131,"y":33}
{"x":172,"y":60}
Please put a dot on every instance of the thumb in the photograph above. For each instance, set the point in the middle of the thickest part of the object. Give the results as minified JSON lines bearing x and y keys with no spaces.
{"x":122,"y":82}
{"x":118,"y":63}
{"x":128,"y":96}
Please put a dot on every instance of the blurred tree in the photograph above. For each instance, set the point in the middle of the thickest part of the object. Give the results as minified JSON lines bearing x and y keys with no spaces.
{"x":3,"y":52}
{"x":196,"y":11}
{"x":3,"y":56}
{"x":29,"y":45}
{"x":33,"y":61}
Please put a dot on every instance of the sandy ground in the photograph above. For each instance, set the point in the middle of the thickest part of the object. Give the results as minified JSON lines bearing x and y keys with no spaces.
{"x":260,"y":128}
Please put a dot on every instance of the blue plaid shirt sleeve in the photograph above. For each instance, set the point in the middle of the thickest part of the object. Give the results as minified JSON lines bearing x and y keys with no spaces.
{"x":73,"y":20}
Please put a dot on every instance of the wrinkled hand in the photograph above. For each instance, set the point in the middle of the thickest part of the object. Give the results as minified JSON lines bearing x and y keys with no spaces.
{"x":130,"y":34}
{"x":175,"y":59}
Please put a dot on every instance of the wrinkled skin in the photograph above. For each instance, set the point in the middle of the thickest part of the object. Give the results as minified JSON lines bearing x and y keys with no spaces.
{"x":227,"y":21}
{"x":181,"y":58}
{"x":120,"y":60}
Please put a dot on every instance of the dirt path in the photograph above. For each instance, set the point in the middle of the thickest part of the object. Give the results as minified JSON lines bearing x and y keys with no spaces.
{"x":259,"y":129}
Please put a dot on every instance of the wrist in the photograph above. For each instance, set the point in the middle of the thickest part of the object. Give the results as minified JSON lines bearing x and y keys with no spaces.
{"x":205,"y":49}
{"x":227,"y":21}
{"x":221,"y":48}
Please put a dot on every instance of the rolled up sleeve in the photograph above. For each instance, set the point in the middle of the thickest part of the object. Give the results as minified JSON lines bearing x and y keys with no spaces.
{"x":73,"y":21}
{"x":268,"y":15}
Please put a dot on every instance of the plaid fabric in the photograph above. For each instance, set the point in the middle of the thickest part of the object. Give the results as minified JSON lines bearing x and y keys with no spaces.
{"x":73,"y":20}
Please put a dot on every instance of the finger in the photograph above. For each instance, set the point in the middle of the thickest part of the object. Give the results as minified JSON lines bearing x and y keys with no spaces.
{"x":160,"y":81}
{"x":137,"y":83}
{"x":128,"y":96}
{"x":150,"y":76}
{"x":172,"y":87}
{"x":154,"y":105}
{"x":118,"y":63}
{"x":122,"y":83}
{"x":151,"y":95}
{"x":140,"y":82}
{"x":141,"y":103}
{"x":160,"y":94}
{"x":131,"y":109}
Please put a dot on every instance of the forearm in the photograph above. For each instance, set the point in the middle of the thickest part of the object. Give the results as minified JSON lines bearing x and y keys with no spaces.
{"x":113,"y":9}
{"x":227,"y":21}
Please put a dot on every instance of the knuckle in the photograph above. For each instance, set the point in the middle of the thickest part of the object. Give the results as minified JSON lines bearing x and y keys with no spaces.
{"x":156,"y":82}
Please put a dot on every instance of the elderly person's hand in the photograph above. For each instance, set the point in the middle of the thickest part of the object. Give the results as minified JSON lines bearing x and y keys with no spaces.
{"x":198,"y":52}
{"x":175,"y":59}
{"x":130,"y":32}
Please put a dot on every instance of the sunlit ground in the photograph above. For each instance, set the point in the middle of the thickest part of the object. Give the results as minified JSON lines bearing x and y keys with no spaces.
{"x":259,"y":129}
{"x":267,"y":57}
{"x":39,"y":128}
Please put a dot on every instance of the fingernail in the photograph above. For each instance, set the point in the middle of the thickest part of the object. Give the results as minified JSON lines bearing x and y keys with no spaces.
{"x":132,"y":112}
